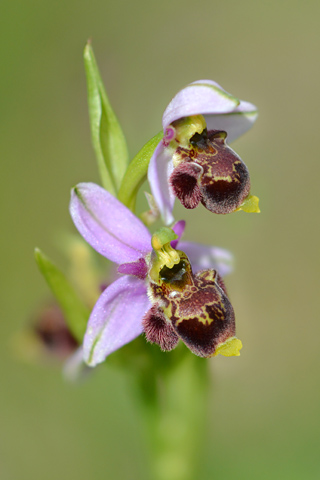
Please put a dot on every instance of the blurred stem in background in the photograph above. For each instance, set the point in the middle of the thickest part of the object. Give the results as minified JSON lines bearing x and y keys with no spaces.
{"x":175,"y":419}
{"x":171,"y":392}
{"x":174,"y":412}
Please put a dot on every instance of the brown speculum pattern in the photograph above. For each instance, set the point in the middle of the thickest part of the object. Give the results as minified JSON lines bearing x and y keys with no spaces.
{"x":194,"y":308}
{"x":210,"y":172}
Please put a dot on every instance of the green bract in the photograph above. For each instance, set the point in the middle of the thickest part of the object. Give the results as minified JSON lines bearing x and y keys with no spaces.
{"x":108,"y":139}
{"x":76,"y":313}
{"x":136,"y":172}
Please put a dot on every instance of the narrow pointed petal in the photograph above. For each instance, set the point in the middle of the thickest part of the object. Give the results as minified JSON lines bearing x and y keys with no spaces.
{"x":107,"y":225}
{"x":235,"y":123}
{"x":160,"y":169}
{"x":116,"y":319}
{"x":204,"y":257}
{"x":138,"y":269}
{"x":178,"y":229}
{"x":200,"y":97}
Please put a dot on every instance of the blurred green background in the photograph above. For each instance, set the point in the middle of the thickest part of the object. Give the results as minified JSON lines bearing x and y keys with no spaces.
{"x":264,"y":416}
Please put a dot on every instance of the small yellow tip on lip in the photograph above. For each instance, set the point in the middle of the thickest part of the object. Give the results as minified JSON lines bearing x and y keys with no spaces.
{"x":250,"y":205}
{"x":230,"y":348}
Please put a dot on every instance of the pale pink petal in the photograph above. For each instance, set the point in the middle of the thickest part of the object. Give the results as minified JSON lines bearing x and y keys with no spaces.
{"x":200,"y":97}
{"x":160,"y":169}
{"x":116,"y":319}
{"x":107,"y":225}
{"x":235,"y":123}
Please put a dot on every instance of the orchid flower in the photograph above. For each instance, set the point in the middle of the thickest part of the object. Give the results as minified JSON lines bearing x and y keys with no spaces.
{"x":150,"y":265}
{"x":193,"y":161}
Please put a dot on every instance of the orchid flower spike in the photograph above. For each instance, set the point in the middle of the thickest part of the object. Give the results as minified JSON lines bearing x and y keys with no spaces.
{"x":158,"y":291}
{"x":193,"y":162}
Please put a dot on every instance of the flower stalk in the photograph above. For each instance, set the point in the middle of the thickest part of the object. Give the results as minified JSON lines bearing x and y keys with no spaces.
{"x":172,"y":397}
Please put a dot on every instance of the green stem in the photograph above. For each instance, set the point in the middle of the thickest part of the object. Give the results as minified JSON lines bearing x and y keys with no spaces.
{"x":174,"y":408}
{"x":137,"y":173}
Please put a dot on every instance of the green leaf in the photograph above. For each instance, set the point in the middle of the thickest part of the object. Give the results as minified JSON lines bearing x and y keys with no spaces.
{"x":108,"y":139}
{"x":137,"y":172}
{"x":75,"y":312}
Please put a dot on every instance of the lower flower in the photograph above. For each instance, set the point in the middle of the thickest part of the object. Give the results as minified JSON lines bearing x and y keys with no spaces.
{"x":158,"y":293}
{"x":194,"y":308}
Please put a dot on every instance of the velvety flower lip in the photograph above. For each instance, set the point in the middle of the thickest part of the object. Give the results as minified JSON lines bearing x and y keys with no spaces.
{"x":221,"y":111}
{"x":115,"y":232}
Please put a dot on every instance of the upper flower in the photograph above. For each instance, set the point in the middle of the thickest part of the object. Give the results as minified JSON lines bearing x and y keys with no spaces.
{"x":115,"y":232}
{"x":193,"y":161}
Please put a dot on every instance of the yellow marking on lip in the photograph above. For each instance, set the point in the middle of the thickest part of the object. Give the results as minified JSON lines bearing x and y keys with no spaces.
{"x":226,"y":179}
{"x":205,"y":321}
